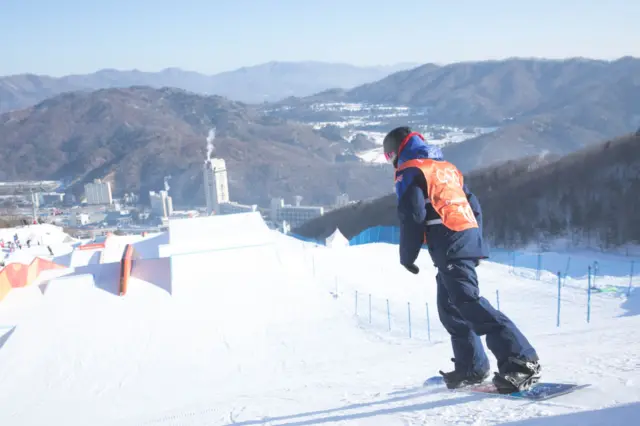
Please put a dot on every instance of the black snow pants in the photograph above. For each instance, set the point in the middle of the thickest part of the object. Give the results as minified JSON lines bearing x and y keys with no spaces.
{"x":466,"y":316}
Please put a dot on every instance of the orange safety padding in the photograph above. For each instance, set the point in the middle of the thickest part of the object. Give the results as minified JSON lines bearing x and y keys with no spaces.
{"x":126,"y":265}
{"x":16,"y":275}
{"x":32,"y":271}
{"x":5,"y":285}
{"x":91,"y":246}
{"x":96,"y":245}
{"x":38,"y":265}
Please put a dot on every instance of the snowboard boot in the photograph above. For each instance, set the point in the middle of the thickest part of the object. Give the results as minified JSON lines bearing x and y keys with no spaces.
{"x":519,"y":377}
{"x":456,"y":379}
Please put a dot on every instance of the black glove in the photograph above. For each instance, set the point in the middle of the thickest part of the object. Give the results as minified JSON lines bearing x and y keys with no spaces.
{"x":412,"y":268}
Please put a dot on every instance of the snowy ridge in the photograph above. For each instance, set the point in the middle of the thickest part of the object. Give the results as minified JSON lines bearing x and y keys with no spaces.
{"x":40,"y":236}
{"x":269,"y":334}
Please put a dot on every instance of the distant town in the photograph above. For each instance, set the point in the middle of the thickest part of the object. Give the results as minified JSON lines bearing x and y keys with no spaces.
{"x":99,"y":213}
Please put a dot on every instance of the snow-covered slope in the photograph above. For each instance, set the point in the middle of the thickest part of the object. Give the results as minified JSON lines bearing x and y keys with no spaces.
{"x":44,"y":233}
{"x":269,"y":334}
{"x":40,"y":237}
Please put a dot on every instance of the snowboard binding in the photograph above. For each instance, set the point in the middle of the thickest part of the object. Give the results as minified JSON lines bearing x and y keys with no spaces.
{"x":456,"y":379}
{"x":523,"y":375}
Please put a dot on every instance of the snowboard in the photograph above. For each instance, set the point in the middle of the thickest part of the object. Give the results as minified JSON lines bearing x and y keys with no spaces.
{"x":541,"y":391}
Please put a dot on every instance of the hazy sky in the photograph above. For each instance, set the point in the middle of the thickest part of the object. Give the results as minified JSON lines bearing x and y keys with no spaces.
{"x":59,"y":37}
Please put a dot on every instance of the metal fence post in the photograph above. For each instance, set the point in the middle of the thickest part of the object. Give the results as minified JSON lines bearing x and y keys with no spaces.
{"x":589,"y":295}
{"x":559,"y":289}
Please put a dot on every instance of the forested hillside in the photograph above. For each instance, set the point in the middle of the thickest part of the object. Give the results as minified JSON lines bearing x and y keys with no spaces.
{"x":592,"y":197}
{"x":135,"y":137}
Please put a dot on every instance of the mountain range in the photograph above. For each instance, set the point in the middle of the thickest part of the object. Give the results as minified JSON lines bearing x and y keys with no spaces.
{"x":489,"y":93}
{"x":261,"y":83}
{"x":588,"y":198}
{"x":536,"y":105}
{"x":134,"y":137}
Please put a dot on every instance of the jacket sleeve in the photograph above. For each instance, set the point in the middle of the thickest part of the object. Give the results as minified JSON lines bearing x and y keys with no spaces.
{"x":412,"y":213}
{"x":474,"y":203}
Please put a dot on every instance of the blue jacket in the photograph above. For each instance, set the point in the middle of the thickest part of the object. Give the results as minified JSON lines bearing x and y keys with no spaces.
{"x":413,"y":212}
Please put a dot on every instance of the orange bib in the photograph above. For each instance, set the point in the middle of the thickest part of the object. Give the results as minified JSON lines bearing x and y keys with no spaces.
{"x":445,"y":193}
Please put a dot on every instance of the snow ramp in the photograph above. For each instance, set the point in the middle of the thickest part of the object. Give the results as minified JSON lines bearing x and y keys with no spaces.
{"x":236,"y":330}
{"x":85,"y":257}
{"x":116,"y":245}
{"x":218,"y":233}
{"x":154,"y":271}
{"x":149,"y":247}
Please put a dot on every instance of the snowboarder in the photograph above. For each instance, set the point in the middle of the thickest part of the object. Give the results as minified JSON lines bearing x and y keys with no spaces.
{"x":436,"y":207}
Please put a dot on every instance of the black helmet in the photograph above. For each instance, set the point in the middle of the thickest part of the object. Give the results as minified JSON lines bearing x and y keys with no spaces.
{"x":392,"y":142}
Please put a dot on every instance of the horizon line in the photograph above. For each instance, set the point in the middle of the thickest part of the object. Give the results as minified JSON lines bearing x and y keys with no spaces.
{"x":411,"y":65}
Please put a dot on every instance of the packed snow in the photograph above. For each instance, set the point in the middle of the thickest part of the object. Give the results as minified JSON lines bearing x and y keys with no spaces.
{"x":259,"y":328}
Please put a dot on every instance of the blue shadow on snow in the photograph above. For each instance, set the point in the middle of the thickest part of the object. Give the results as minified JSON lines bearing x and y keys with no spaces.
{"x":4,"y":337}
{"x":619,"y":415}
{"x":298,"y":419}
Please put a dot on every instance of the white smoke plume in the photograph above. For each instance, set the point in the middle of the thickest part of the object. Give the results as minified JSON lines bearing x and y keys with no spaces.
{"x":210,"y":146}
{"x":166,"y":183}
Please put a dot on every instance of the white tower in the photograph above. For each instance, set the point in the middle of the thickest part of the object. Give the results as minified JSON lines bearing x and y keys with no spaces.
{"x":216,"y":186}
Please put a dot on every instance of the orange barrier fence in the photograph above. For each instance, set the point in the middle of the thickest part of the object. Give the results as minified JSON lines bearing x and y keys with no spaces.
{"x":16,"y":275}
{"x":91,"y":246}
{"x":126,"y":266}
{"x":97,"y":243}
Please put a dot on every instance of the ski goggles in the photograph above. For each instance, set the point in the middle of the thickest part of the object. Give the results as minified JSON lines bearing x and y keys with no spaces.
{"x":390,"y":157}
